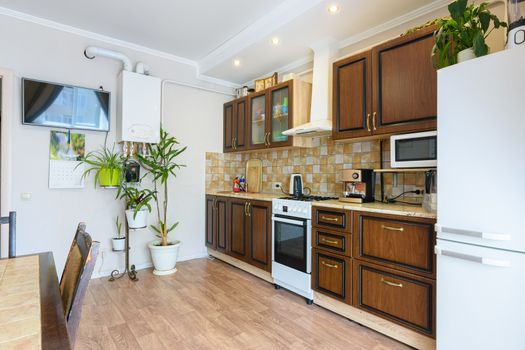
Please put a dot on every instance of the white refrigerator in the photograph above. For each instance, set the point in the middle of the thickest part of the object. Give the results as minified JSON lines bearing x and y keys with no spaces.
{"x":481,"y":204}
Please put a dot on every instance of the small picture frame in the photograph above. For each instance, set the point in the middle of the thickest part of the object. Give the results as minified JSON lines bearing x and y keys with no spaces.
{"x":259,"y":85}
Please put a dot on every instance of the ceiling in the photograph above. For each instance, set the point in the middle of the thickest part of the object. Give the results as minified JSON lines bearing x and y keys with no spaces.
{"x":213,"y":33}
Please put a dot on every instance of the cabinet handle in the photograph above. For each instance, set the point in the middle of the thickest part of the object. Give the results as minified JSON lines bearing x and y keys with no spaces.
{"x":368,"y":122}
{"x":400,"y":229}
{"x":374,"y":121}
{"x":214,"y":205}
{"x":391,"y":284}
{"x":249,"y":209}
{"x":329,"y":219}
{"x":329,"y":241}
{"x":245,"y":208}
{"x":329,"y":265}
{"x":268,"y":139}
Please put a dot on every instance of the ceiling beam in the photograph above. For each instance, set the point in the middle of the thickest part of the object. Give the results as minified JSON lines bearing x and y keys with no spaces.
{"x":257,"y":31}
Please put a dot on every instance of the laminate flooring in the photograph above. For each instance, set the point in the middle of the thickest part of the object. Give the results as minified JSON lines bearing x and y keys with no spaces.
{"x":209,"y":304}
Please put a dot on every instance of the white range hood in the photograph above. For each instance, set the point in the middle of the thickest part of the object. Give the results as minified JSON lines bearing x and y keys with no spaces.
{"x":321,"y":111}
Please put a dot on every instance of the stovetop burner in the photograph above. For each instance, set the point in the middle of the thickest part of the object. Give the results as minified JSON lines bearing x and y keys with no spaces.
{"x":309,"y":198}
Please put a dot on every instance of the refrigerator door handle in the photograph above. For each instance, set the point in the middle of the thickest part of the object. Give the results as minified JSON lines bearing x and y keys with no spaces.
{"x":476,"y":234}
{"x":472,"y":258}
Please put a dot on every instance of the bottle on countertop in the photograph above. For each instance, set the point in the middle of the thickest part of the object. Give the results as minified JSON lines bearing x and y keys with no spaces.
{"x":242,"y":184}
{"x":236,"y":185}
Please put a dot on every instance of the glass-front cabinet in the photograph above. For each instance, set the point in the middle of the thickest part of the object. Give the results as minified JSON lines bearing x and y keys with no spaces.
{"x":258,"y":112}
{"x":281,"y":114}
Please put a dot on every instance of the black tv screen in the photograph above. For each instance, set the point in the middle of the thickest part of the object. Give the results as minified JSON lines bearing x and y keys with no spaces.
{"x":64,"y":106}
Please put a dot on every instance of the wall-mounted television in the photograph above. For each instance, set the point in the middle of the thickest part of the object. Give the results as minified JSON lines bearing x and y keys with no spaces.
{"x":64,"y":106}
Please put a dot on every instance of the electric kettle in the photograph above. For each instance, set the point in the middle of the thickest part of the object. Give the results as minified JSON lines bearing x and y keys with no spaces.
{"x":296,"y":185}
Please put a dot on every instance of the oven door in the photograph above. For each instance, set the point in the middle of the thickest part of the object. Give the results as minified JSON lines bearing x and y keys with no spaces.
{"x":292,"y":242}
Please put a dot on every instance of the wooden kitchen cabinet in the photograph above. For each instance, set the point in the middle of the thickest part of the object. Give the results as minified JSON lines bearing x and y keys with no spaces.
{"x":352,"y":96}
{"x":404,"y":243}
{"x":235,"y":123}
{"x":241,"y":229}
{"x":389,"y":89}
{"x":260,"y":234}
{"x":400,"y":297}
{"x":332,"y":275}
{"x":216,"y":223}
{"x":258,"y":120}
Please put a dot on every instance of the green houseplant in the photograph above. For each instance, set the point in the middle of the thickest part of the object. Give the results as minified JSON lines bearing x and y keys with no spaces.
{"x":119,"y":240}
{"x":160,"y":162}
{"x":106,"y":164}
{"x":137,"y":204}
{"x":462,"y":35}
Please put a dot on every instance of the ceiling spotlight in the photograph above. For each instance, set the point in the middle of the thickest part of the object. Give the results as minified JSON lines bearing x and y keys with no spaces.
{"x":236,"y":63}
{"x":276,"y":41}
{"x":334,"y":9}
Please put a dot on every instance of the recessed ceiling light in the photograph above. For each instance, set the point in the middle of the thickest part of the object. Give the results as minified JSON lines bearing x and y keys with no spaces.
{"x":334,"y":9}
{"x":236,"y":63}
{"x":275,"y":41}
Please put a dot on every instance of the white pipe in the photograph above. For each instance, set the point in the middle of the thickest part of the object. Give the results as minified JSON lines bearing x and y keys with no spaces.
{"x":92,"y":51}
{"x":142,"y":68}
{"x":180,"y":83}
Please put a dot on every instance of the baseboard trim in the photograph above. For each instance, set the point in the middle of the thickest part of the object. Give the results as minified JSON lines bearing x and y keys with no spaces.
{"x":376,"y":323}
{"x":242,"y":265}
{"x":138,"y":267}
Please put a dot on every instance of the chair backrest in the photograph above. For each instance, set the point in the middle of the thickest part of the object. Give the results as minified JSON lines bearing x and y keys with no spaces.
{"x":11,"y":222}
{"x":75,"y":278}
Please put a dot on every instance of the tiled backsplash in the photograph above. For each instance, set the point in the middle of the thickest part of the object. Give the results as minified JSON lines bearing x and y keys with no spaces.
{"x":321,"y":167}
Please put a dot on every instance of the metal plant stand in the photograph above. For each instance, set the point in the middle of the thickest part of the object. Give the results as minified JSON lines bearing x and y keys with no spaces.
{"x":129,"y":270}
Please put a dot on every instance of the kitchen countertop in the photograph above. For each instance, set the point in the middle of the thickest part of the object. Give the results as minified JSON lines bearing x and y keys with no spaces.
{"x":374,"y":207}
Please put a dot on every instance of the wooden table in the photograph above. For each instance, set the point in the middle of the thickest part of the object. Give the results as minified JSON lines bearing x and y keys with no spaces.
{"x":31,"y":315}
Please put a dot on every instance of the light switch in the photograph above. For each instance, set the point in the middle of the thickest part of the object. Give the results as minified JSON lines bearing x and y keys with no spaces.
{"x":26,"y":196}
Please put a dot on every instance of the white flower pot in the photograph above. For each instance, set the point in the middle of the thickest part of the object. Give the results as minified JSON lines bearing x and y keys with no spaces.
{"x":466,"y":55}
{"x":119,"y":243}
{"x":164,"y":257}
{"x":139,"y":221}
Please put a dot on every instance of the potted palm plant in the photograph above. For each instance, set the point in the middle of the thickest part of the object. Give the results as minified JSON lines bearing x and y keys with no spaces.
{"x":107,"y":166}
{"x":461,"y":36}
{"x":118,"y":241}
{"x":159,"y":161}
{"x":137,"y":204}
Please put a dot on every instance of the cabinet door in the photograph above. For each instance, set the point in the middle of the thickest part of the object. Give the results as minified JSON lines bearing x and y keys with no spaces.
{"x":257,"y":120}
{"x":240,"y":124}
{"x":402,"y":243}
{"x":229,"y":126}
{"x":397,"y":296}
{"x":211,"y":223}
{"x":281,"y":114}
{"x":332,"y":275}
{"x":352,"y":97}
{"x":405,"y":84}
{"x":260,"y":234}
{"x":238,"y":225}
{"x":221,"y":213}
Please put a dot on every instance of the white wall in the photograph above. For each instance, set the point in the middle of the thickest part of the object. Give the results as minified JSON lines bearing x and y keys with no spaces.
{"x":47,"y":222}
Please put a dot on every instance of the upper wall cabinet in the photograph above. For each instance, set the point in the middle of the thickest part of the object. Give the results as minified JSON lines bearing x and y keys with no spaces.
{"x":390,"y":89}
{"x":235,"y":113}
{"x":265,"y":115}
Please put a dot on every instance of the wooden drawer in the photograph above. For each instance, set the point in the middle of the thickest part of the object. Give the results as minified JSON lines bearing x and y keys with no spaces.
{"x":336,"y":219}
{"x":400,"y":297}
{"x":333,"y":241}
{"x":399,"y":242}
{"x":332,"y":275}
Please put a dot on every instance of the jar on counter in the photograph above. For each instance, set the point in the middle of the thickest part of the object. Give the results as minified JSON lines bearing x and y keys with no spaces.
{"x":516,"y":23}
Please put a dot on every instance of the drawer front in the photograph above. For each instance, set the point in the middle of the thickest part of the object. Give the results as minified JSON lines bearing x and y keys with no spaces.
{"x":336,"y":219}
{"x":333,"y":241}
{"x":396,"y":242}
{"x":405,"y":299}
{"x":332,"y":275}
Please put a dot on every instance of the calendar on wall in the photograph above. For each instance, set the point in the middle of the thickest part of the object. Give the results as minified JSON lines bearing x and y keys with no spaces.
{"x":66,"y":149}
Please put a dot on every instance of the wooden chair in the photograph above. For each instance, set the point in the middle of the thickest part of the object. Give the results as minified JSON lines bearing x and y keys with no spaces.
{"x":11,"y":221}
{"x":75,"y":278}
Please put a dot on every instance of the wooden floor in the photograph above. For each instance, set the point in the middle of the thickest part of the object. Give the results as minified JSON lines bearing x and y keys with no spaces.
{"x":209,"y":304}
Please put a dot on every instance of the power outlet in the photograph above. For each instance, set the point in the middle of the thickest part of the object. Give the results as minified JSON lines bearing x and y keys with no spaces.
{"x":277,"y":185}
